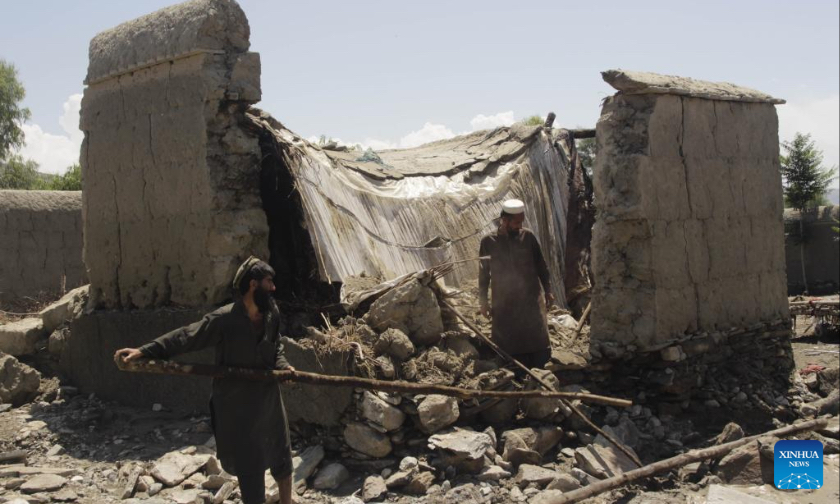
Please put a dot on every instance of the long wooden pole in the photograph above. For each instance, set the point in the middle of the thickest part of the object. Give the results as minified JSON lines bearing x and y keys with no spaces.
{"x":176,"y":368}
{"x":582,"y":321}
{"x":542,"y":382}
{"x":713,"y":452}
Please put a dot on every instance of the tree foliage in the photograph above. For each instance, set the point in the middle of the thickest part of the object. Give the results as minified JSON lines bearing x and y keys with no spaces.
{"x":19,"y":173}
{"x":586,"y":152}
{"x":70,"y":181}
{"x":805,"y":179}
{"x":12,"y":115}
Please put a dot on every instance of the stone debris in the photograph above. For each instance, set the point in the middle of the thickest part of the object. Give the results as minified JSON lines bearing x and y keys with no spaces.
{"x":436,"y":412}
{"x":70,"y":306}
{"x":19,"y":338}
{"x":413,"y":309}
{"x":373,"y":488}
{"x":331,"y":477}
{"x":395,"y":343}
{"x":19,"y":383}
{"x":367,"y":440}
{"x":529,"y":474}
{"x":304,"y":465}
{"x":378,"y":411}
{"x":43,"y":483}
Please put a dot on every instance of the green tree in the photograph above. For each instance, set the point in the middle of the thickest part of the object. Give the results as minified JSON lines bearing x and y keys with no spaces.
{"x":805,"y":182}
{"x":12,"y":115}
{"x":586,"y":152}
{"x":70,"y":181}
{"x":18,"y":173}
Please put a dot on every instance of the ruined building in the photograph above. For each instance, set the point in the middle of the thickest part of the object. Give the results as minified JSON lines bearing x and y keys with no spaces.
{"x":183,"y":179}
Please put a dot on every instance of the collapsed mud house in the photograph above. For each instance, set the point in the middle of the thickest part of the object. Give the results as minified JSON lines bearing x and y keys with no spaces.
{"x":184,"y":178}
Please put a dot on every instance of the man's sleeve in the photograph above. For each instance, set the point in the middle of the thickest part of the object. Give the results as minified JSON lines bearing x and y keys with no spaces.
{"x":196,"y":336}
{"x":540,"y":265}
{"x":483,"y":272}
{"x":281,"y":362}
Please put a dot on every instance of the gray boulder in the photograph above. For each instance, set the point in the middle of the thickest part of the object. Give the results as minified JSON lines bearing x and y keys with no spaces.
{"x":412,"y":308}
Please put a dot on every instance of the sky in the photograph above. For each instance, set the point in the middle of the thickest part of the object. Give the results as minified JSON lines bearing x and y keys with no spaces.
{"x":399,"y":74}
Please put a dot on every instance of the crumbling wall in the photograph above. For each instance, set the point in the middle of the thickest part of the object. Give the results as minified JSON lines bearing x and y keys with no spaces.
{"x":87,"y":359}
{"x":40,"y":242}
{"x":171,"y":199}
{"x":689,"y":234}
{"x":822,"y":250}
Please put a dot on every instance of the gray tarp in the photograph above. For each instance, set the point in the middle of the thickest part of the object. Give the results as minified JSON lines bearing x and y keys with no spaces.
{"x":390,"y":213}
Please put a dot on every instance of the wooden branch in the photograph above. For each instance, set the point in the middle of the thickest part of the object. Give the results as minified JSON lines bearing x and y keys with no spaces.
{"x":13,"y":456}
{"x":175,"y":368}
{"x":580,"y":134}
{"x":713,"y":452}
{"x":582,"y":321}
{"x":542,"y":382}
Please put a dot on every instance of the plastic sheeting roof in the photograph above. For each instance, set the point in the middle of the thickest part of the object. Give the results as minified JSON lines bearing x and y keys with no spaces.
{"x":395,"y":212}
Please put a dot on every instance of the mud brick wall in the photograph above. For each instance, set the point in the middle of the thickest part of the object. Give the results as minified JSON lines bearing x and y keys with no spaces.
{"x":689,"y":234}
{"x":40,"y":242}
{"x":171,"y":200}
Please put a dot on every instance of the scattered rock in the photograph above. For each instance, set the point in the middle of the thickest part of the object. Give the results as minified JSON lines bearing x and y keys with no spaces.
{"x":304,"y":464}
{"x":464,"y":449}
{"x":19,"y":338}
{"x":65,"y":309}
{"x":174,"y":467}
{"x":380,"y":412}
{"x":564,"y":483}
{"x":412,"y":308}
{"x":19,"y":383}
{"x":419,"y":483}
{"x":745,"y":466}
{"x":534,"y":474}
{"x":719,"y":494}
{"x":732,"y":432}
{"x":546,"y":497}
{"x":493,"y":473}
{"x":331,"y":477}
{"x":437,"y":412}
{"x":43,"y":483}
{"x":373,"y":488}
{"x":539,"y":409}
{"x":364,"y":439}
{"x":395,"y":343}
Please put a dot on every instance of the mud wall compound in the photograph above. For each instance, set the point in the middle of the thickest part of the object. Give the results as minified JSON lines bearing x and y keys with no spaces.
{"x":40,"y":242}
{"x":689,"y":235}
{"x":171,"y":199}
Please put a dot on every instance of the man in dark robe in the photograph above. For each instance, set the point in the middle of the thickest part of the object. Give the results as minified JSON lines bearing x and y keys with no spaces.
{"x":518,"y":277}
{"x":248,"y":417}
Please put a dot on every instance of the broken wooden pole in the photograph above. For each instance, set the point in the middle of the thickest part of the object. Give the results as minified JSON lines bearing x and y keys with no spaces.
{"x":176,"y":368}
{"x":580,"y":134}
{"x":545,"y":385}
{"x":713,"y":452}
{"x":582,"y":321}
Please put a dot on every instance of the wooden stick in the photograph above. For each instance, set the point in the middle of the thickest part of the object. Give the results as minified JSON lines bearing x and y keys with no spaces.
{"x":582,"y":321}
{"x":176,"y":368}
{"x":542,"y":382}
{"x":713,"y":452}
{"x":13,"y":456}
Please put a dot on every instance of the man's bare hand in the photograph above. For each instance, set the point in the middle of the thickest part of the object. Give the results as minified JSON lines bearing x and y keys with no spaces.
{"x":290,"y":368}
{"x":128,"y":354}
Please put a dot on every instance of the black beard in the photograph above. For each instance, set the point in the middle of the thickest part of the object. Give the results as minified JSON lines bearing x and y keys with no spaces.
{"x":513,"y":233}
{"x":262,"y":298}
